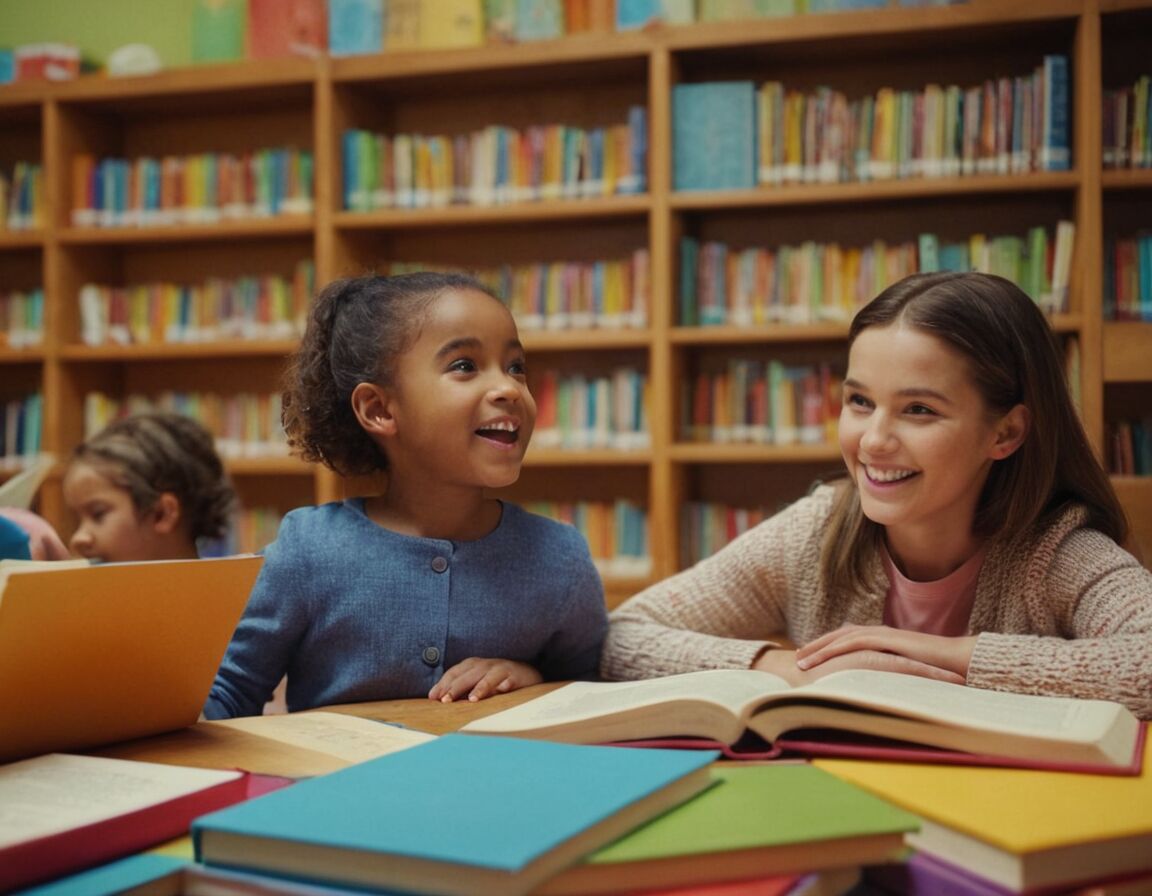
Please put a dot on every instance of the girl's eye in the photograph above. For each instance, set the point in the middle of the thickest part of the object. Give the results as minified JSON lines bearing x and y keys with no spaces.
{"x":518,"y":368}
{"x":855,"y":399}
{"x":920,"y":410}
{"x":462,"y":365}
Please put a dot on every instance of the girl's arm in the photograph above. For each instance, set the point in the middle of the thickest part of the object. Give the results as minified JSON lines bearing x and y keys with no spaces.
{"x":722,"y":611}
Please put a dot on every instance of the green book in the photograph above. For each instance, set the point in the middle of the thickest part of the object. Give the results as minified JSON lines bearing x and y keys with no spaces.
{"x":218,"y":28}
{"x":758,"y":820}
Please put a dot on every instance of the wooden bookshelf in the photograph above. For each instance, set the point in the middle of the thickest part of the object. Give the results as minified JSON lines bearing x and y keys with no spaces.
{"x":589,"y":82}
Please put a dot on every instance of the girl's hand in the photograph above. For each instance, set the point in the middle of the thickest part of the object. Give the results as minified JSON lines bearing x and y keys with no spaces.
{"x":890,"y":650}
{"x":478,"y":677}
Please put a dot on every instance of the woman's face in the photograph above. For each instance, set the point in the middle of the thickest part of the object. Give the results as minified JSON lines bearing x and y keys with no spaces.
{"x":915,"y":433}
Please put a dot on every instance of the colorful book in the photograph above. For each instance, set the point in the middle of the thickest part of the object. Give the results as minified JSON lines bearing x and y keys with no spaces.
{"x":286,"y":28}
{"x":721,"y":706}
{"x":758,"y":820}
{"x":1021,"y":829}
{"x":714,"y":136}
{"x":355,"y":26}
{"x":63,"y":813}
{"x":457,"y":815}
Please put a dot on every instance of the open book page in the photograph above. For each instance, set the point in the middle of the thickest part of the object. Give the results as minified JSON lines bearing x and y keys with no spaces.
{"x":713,"y":704}
{"x":20,"y":489}
{"x":58,"y":791}
{"x":344,"y":737}
{"x":957,"y":716}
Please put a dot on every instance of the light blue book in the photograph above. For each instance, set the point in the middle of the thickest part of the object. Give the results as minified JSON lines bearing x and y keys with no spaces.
{"x":714,"y":136}
{"x":355,"y":26}
{"x":632,"y":15}
{"x":1055,"y":151}
{"x":115,"y":877}
{"x":539,"y":19}
{"x":459,"y":815}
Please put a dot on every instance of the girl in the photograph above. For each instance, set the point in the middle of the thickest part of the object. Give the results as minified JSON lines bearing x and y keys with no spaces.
{"x":975,"y":538}
{"x":147,"y":487}
{"x":430,"y":587}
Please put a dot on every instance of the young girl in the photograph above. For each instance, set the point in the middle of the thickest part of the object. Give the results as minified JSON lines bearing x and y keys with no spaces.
{"x":147,"y":487}
{"x":975,"y":538}
{"x":431,"y":587}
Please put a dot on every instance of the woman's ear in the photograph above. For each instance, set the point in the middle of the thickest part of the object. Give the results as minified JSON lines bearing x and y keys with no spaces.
{"x":1011,"y":432}
{"x":166,"y":513}
{"x":371,"y":406}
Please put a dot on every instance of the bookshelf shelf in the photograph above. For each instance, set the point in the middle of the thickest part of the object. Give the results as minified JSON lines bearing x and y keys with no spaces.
{"x":583,"y":81}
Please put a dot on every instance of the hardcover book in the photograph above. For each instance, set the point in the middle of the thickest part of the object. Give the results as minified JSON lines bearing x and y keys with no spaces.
{"x":758,"y":820}
{"x":457,"y":815}
{"x":722,"y":705}
{"x":714,"y":136}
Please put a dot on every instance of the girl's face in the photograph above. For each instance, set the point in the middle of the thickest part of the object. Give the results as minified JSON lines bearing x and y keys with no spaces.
{"x":460,"y":406}
{"x":916,"y":435}
{"x":110,"y":527}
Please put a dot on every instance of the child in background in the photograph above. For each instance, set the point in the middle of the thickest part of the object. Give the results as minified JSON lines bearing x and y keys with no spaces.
{"x":32,"y":536}
{"x":975,"y":539}
{"x":430,"y":587}
{"x":147,"y":487}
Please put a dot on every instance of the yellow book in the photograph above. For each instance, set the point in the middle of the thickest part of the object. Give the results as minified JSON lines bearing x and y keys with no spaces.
{"x":1022,"y":829}
{"x":451,"y":23}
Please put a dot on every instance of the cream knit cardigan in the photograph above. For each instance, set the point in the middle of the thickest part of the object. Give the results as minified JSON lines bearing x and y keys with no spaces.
{"x":1061,"y":611}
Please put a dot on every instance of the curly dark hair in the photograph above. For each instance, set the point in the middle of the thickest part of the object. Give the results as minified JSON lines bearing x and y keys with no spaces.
{"x":356,"y":329}
{"x":152,"y":453}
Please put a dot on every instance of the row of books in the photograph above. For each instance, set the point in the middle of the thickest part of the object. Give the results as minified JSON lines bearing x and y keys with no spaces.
{"x":1128,"y":277}
{"x":564,"y":295}
{"x":812,"y":282}
{"x":495,"y":165}
{"x":21,"y":318}
{"x":204,"y":188}
{"x":707,"y":526}
{"x":735,"y":135}
{"x":1130,"y":447}
{"x":616,"y":532}
{"x":22,"y":197}
{"x":268,"y":306}
{"x":1127,"y":133}
{"x":21,"y":426}
{"x":245,"y":424}
{"x":749,"y":400}
{"x":250,"y":530}
{"x":577,"y":412}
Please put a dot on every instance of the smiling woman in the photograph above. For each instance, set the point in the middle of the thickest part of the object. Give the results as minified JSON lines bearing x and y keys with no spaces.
{"x":975,"y":538}
{"x":430,"y":587}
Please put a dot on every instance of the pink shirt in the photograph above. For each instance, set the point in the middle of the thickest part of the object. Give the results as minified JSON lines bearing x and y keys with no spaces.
{"x":934,"y":608}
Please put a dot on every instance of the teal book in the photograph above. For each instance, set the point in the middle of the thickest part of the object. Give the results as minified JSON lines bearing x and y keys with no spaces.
{"x":714,"y":135}
{"x":759,"y":820}
{"x":1055,"y":149}
{"x":539,"y":19}
{"x":121,"y":876}
{"x":461,"y":815}
{"x":218,"y":30}
{"x":355,"y":27}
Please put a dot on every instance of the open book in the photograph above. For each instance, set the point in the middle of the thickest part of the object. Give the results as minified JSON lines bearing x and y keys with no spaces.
{"x":855,"y":712}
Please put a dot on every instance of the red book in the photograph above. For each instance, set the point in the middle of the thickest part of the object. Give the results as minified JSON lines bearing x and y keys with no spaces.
{"x":64,"y":813}
{"x":286,"y":28}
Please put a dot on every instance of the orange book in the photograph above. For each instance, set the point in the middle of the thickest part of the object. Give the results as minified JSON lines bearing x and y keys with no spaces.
{"x":286,"y":28}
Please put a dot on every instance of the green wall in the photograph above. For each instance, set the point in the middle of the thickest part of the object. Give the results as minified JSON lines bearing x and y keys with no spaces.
{"x":99,"y":26}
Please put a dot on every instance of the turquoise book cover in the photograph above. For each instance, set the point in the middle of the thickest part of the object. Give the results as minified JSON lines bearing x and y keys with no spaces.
{"x":714,"y":136}
{"x":466,"y":814}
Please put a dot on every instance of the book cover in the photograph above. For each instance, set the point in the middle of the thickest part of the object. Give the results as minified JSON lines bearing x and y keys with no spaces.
{"x":355,"y":26}
{"x":632,"y":15}
{"x":218,"y":30}
{"x":539,"y":19}
{"x":128,"y":875}
{"x":1055,"y":148}
{"x":78,"y":683}
{"x":286,"y":28}
{"x":861,"y":712}
{"x":452,"y":23}
{"x":714,"y":136}
{"x":62,"y":813}
{"x":1023,"y":829}
{"x":457,"y":815}
{"x":758,"y":820}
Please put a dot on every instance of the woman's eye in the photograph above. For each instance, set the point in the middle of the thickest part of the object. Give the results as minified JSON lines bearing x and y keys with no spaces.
{"x":920,"y":410}
{"x":855,"y":399}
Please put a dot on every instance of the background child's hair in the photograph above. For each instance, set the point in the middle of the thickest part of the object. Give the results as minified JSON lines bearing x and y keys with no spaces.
{"x":1014,"y":358}
{"x":356,"y":330}
{"x":152,"y":453}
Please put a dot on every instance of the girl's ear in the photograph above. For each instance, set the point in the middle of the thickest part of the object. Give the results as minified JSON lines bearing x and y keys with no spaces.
{"x":370,"y":404}
{"x":1011,"y":432}
{"x":166,"y":513}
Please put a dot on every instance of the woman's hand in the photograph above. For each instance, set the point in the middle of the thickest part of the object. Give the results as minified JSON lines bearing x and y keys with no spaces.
{"x":479,"y":677}
{"x":888,"y":650}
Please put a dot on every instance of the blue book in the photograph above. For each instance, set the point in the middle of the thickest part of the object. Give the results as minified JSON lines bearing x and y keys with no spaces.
{"x":714,"y":136}
{"x":1144,"y":275}
{"x":632,"y":15}
{"x":355,"y":26}
{"x":539,"y":19}
{"x":461,"y":815}
{"x":1055,"y":152}
{"x":115,"y":877}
